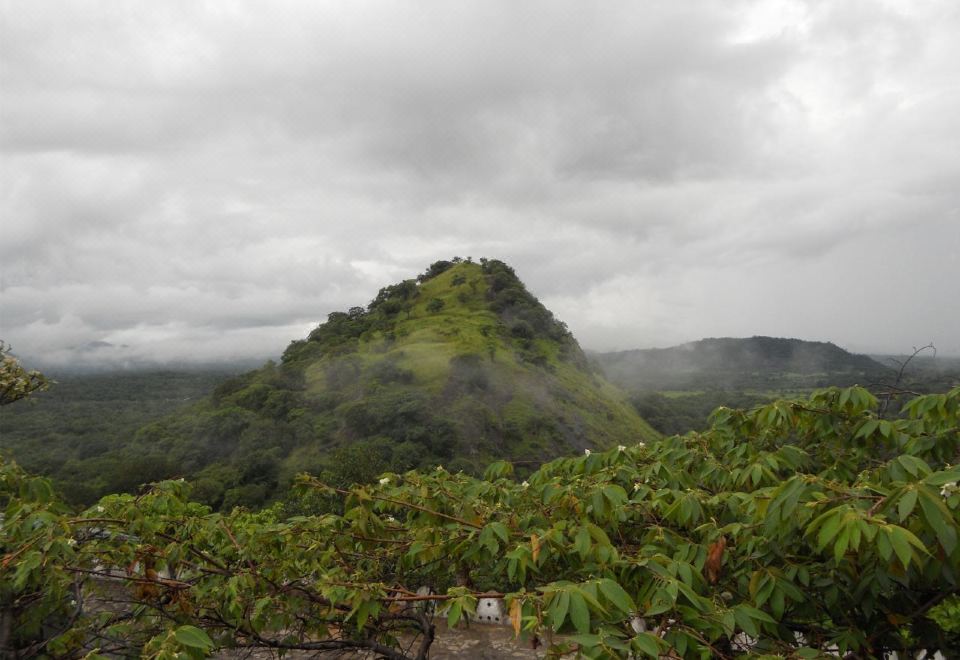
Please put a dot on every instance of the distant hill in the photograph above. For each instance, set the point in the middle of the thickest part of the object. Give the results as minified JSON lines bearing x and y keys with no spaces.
{"x":740,"y":363}
{"x":456,"y":368}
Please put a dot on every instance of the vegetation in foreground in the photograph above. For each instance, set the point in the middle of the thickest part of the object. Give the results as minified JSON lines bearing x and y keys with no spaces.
{"x":797,"y":529}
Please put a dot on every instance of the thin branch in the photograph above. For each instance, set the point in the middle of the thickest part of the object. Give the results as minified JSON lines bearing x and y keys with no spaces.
{"x":446,"y":516}
{"x":237,"y":546}
{"x":903,"y":366}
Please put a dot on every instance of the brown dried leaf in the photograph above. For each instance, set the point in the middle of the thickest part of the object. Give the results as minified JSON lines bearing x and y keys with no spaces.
{"x":515,"y":613}
{"x":715,"y":560}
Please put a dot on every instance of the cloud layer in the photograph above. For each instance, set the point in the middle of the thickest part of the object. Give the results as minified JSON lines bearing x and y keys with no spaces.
{"x":206,"y":180}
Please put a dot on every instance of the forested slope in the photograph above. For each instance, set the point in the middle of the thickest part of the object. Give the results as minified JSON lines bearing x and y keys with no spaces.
{"x":458,"y":367}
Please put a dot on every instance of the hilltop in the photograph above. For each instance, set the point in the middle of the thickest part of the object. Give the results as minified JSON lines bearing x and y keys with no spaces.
{"x":456,"y":368}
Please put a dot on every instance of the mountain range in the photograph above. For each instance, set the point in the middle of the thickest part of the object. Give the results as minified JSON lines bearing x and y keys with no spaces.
{"x":740,"y":363}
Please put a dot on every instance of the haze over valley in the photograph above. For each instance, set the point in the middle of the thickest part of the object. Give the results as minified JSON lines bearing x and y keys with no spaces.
{"x":201,"y":183}
{"x":364,"y":329}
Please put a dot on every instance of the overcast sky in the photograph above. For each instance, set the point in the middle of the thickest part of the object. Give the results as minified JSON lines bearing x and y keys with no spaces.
{"x":207,"y":180}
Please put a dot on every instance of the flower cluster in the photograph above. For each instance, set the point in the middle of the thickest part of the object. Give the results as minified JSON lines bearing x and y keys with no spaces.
{"x":949,"y":489}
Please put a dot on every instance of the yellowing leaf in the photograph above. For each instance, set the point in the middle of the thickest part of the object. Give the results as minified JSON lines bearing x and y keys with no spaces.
{"x":515,"y":613}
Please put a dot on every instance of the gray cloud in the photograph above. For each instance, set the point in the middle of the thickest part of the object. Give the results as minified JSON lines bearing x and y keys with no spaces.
{"x":204,"y":180}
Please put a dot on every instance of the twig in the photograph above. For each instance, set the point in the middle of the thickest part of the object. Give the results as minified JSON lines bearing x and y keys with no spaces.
{"x":903,"y":366}
{"x":447,"y":516}
{"x":237,"y":546}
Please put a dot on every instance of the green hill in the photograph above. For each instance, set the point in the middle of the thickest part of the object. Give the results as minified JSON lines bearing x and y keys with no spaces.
{"x":764,"y":363}
{"x":456,"y":368}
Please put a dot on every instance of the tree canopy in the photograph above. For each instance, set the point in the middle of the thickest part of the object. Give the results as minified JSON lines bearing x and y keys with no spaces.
{"x":796,"y":529}
{"x":16,"y":382}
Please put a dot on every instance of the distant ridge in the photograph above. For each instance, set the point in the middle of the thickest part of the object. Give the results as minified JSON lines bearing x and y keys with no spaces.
{"x":729,"y":362}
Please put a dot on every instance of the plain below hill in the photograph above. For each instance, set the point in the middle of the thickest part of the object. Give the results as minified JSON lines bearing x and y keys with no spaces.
{"x":456,"y":368}
{"x":767,"y":364}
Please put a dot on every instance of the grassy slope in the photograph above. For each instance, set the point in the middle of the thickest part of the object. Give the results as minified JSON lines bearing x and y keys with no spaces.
{"x":526,"y":412}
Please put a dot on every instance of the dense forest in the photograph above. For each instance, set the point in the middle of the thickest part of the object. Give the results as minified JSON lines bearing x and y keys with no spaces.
{"x":458,"y":367}
{"x":75,"y":430}
{"x":450,"y":442}
{"x":801,"y":529}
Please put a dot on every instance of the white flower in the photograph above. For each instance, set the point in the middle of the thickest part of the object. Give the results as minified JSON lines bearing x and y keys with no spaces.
{"x":440,"y":468}
{"x":621,"y":448}
{"x":586,"y":452}
{"x":525,"y":484}
{"x":100,"y":509}
{"x":72,"y":542}
{"x":385,"y":481}
{"x":948,"y":489}
{"x":641,"y":444}
{"x":391,"y":519}
{"x":637,"y":486}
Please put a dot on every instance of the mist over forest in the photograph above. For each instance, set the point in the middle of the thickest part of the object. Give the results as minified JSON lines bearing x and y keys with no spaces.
{"x":549,"y":329}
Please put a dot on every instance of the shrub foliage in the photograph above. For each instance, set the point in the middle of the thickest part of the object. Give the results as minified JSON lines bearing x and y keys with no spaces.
{"x":796,"y":529}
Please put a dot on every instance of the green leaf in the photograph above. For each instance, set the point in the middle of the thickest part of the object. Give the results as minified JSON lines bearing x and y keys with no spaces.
{"x":259,"y":606}
{"x":589,"y":592}
{"x":615,"y":494}
{"x":777,"y":604}
{"x":453,"y":614}
{"x":661,"y":603}
{"x":729,"y":623}
{"x":754,"y":613}
{"x":647,"y":643}
{"x":559,"y":608}
{"x":616,"y":595}
{"x":500,"y":530}
{"x":883,"y":546}
{"x":586,"y":642}
{"x":579,"y":614}
{"x":943,"y":477}
{"x":745,"y":621}
{"x":497,"y":470}
{"x":598,"y":534}
{"x":868,"y":428}
{"x":829,"y":529}
{"x":25,"y":567}
{"x":581,"y":542}
{"x":901,"y":545}
{"x":938,"y":517}
{"x":840,"y":547}
{"x":906,"y":504}
{"x":193,"y":637}
{"x":913,"y":465}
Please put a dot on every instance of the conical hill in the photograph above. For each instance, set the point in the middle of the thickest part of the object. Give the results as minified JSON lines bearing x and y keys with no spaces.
{"x":456,"y":368}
